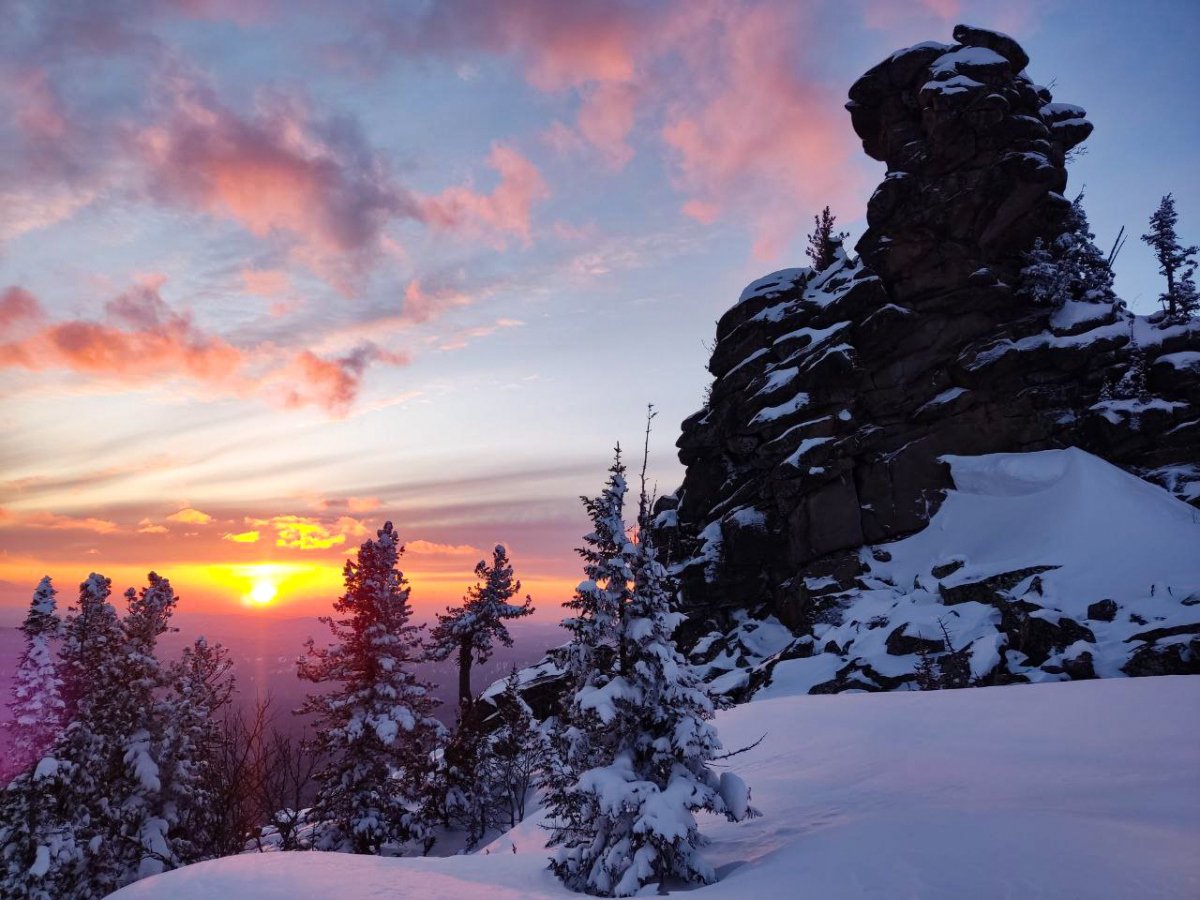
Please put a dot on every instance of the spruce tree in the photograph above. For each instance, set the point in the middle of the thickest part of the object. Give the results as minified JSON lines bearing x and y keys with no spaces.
{"x":590,"y":664}
{"x":622,"y":809}
{"x":37,"y":704}
{"x":1175,"y":261}
{"x":1068,"y":267}
{"x":824,"y":242}
{"x":469,"y":631}
{"x":376,"y":724}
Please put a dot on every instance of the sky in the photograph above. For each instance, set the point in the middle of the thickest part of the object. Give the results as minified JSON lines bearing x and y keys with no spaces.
{"x":273,"y":272}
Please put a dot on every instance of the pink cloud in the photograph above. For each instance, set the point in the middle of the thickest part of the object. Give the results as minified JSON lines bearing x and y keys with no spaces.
{"x":332,"y":384}
{"x":142,"y":340}
{"x":606,"y":118}
{"x":751,"y":135}
{"x":504,"y":212}
{"x":266,"y":282}
{"x":560,"y":44}
{"x":278,"y":171}
{"x":754,"y":137}
{"x":422,"y":304}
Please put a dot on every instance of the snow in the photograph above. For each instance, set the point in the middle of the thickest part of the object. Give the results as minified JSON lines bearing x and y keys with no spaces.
{"x":748,"y":517}
{"x":1086,"y":789}
{"x":770,"y":413}
{"x":1110,"y":533}
{"x":944,"y":397}
{"x":1073,"y":313}
{"x":777,"y":379}
{"x":1116,"y":411}
{"x":1184,"y":359}
{"x":806,"y":446}
{"x":773,"y":284}
{"x":948,"y":64}
{"x":1045,"y":339}
{"x":956,"y":85}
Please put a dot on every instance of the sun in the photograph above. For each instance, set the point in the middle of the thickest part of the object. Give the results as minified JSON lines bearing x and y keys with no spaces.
{"x":264,"y":590}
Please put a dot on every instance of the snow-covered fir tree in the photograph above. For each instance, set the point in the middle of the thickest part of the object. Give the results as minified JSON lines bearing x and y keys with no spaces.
{"x":635,"y":742}
{"x":1175,"y":261}
{"x":376,"y":723}
{"x":589,"y":659}
{"x":468,"y":632}
{"x":37,"y":703}
{"x":54,"y":839}
{"x":1068,"y":267}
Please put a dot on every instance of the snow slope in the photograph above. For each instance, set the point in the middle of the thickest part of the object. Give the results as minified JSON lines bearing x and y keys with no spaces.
{"x":1085,"y":789}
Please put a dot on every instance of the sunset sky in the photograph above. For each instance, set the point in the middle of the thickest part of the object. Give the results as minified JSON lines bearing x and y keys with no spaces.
{"x":272,"y":272}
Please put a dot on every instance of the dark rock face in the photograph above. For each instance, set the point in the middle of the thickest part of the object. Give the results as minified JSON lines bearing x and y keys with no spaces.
{"x":837,"y":392}
{"x":975,"y":154}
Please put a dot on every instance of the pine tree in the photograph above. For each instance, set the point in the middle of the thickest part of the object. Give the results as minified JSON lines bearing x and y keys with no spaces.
{"x":1175,"y":261}
{"x":622,"y":809}
{"x":824,"y":242}
{"x":376,"y":723}
{"x":470,"y":630}
{"x":1069,"y":267}
{"x":37,"y":704}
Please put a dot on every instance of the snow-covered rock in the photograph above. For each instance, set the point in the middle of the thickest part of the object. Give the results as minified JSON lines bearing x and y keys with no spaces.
{"x":1010,"y":573}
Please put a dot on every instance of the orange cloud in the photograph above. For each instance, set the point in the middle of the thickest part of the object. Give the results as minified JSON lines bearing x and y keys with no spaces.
{"x":243,"y":537}
{"x":430,"y":548}
{"x":300,"y":533}
{"x":56,"y":522}
{"x":363,"y":504}
{"x":190,"y":516}
{"x":145,"y":526}
{"x":505,"y":211}
{"x":309,"y":533}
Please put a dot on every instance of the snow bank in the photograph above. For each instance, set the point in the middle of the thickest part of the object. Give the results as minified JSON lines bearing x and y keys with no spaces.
{"x":1087,"y":789}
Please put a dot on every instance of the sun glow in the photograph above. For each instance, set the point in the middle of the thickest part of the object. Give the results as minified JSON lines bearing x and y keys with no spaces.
{"x":265,"y":589}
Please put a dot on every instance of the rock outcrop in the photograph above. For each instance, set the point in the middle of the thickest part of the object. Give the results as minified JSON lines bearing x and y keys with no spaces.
{"x":838,"y":393}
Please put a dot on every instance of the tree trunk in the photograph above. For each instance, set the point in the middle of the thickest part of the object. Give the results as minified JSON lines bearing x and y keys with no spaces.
{"x":464,"y":674}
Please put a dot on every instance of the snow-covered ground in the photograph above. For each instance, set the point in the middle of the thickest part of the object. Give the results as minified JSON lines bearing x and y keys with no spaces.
{"x":1082,"y":789}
